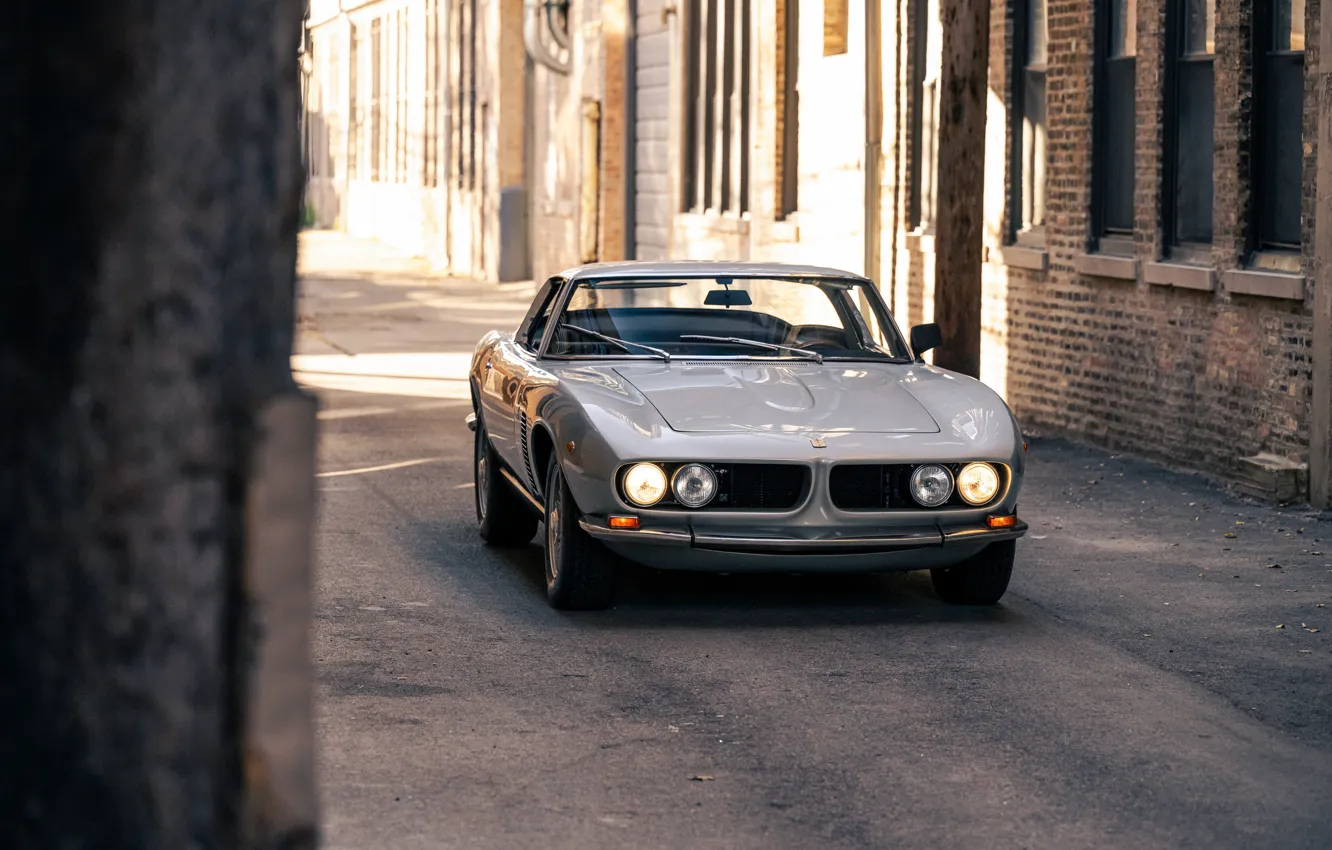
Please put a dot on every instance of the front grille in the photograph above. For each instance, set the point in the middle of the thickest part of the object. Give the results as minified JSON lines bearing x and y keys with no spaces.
{"x":877,"y":487}
{"x":744,"y":486}
{"x":774,"y":487}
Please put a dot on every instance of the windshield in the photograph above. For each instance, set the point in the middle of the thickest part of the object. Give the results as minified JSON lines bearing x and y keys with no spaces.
{"x":741,"y":317}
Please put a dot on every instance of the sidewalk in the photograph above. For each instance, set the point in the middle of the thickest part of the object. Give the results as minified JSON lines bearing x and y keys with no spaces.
{"x":1231,"y":593}
{"x":375,"y":320}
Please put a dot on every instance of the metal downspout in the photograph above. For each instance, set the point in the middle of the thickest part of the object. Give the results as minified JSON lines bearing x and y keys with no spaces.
{"x":536,"y":48}
{"x":631,"y":132}
{"x":873,"y":136}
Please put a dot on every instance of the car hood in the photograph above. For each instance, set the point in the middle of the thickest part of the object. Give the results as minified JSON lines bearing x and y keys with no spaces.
{"x":785,"y":398}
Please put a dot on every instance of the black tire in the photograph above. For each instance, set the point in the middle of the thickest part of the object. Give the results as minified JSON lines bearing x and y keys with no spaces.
{"x":501,"y":517}
{"x":580,"y":572}
{"x":982,"y":579}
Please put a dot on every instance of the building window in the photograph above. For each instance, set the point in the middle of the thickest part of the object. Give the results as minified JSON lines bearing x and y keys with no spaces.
{"x":716,"y":167}
{"x":431,"y":99}
{"x":836,"y":26}
{"x":1278,"y":122}
{"x":354,"y":107}
{"x":402,"y":107}
{"x":1113,"y":159}
{"x":788,"y":107}
{"x":1190,"y":120}
{"x":1029,"y":124}
{"x":376,"y":97}
{"x":924,"y":128}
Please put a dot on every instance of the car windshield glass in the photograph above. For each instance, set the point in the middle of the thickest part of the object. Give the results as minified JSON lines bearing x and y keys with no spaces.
{"x":740,"y":317}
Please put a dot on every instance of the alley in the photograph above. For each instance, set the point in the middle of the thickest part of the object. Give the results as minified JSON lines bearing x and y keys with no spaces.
{"x":1159,"y":675}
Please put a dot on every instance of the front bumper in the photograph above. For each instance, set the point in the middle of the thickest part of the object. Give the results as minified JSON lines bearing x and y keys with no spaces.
{"x":903,"y":548}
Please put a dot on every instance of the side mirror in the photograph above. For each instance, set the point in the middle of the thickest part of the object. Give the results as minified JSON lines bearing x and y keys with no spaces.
{"x":925,"y":338}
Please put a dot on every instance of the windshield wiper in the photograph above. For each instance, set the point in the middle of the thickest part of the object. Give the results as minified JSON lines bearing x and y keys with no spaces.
{"x":624,"y":344}
{"x":813,"y":355}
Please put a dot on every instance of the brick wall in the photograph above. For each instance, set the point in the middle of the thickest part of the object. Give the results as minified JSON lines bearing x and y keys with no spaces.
{"x":1196,"y":379}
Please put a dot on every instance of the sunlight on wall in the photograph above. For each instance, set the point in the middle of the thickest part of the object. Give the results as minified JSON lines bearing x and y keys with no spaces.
{"x":418,"y":375}
{"x":994,"y":274}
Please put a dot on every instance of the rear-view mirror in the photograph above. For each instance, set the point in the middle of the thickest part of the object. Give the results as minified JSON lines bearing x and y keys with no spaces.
{"x":728,"y":298}
{"x":925,"y":338}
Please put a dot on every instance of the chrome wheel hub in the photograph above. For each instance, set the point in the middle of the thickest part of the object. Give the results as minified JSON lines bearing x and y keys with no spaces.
{"x":553,"y":536}
{"x":482,"y":477}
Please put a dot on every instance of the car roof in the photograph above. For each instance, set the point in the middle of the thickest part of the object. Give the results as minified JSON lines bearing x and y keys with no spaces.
{"x":692,"y":268}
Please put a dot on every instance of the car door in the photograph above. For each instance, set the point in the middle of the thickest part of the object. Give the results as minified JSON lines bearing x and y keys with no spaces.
{"x":503,"y":372}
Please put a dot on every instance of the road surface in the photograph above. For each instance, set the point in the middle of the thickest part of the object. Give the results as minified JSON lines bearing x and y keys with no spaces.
{"x":1133,"y":690}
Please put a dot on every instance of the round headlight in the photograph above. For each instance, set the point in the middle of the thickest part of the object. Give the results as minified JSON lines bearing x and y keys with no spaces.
{"x":931,"y":485}
{"x":645,"y":484}
{"x":694,"y":485}
{"x":977,"y":483}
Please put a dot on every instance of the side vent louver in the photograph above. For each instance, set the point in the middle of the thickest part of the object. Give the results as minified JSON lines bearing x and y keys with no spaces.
{"x":527,"y":451}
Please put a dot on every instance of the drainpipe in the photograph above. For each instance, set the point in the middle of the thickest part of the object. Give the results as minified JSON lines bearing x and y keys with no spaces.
{"x":536,"y":48}
{"x":873,"y":136}
{"x":1320,"y":419}
{"x":631,"y":131}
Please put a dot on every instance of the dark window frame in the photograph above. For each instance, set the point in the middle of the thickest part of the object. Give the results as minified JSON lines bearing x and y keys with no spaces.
{"x":376,"y":99}
{"x":717,"y":109}
{"x":542,"y":304}
{"x":920,"y":36}
{"x":354,"y":107}
{"x":1107,"y":237}
{"x":1177,"y":60}
{"x":1020,"y":70}
{"x":1263,"y":185}
{"x":788,"y":175}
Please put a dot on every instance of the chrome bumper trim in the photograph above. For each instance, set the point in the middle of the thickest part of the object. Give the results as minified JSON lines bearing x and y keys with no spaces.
{"x":916,"y":538}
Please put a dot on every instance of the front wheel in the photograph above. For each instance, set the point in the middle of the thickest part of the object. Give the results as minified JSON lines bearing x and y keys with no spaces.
{"x":982,"y":579}
{"x":580,"y":572}
{"x":501,"y":519}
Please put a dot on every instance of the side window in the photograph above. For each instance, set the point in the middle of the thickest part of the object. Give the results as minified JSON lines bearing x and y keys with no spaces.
{"x":534,"y":323}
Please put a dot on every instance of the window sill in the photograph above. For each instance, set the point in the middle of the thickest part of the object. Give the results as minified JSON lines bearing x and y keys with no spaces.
{"x":1022,"y":257}
{"x":921,"y":240}
{"x":1264,"y":284}
{"x":1180,"y":276}
{"x":786,"y":230}
{"x":714,"y":221}
{"x":1107,"y":265}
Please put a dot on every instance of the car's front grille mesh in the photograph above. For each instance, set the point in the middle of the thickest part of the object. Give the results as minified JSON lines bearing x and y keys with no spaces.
{"x":774,"y":487}
{"x":877,"y":487}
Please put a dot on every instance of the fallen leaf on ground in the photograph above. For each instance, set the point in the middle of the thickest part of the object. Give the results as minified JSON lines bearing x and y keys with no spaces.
{"x":701,"y":777}
{"x":1282,"y":626}
{"x":1306,"y":651}
{"x":1312,"y":631}
{"x":1274,"y":566}
{"x":1038,"y":537}
{"x":1229,"y":534}
{"x":1321,"y":605}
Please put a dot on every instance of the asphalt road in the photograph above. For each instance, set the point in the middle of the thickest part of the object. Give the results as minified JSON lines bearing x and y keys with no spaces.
{"x":1132,"y":690}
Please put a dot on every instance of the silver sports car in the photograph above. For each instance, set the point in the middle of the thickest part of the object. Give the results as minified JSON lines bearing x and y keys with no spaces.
{"x":738,"y":417}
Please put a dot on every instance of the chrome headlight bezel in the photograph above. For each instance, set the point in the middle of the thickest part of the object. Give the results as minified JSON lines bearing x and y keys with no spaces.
{"x":930,"y":469}
{"x":689,"y":469}
{"x":984,"y":469}
{"x":654,"y":473}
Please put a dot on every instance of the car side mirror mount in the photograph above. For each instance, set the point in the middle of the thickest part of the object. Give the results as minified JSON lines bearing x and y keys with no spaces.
{"x":925,"y":338}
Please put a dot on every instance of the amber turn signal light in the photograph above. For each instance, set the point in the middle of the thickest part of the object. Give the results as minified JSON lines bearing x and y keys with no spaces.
{"x":624,"y":522}
{"x":1001,"y":521}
